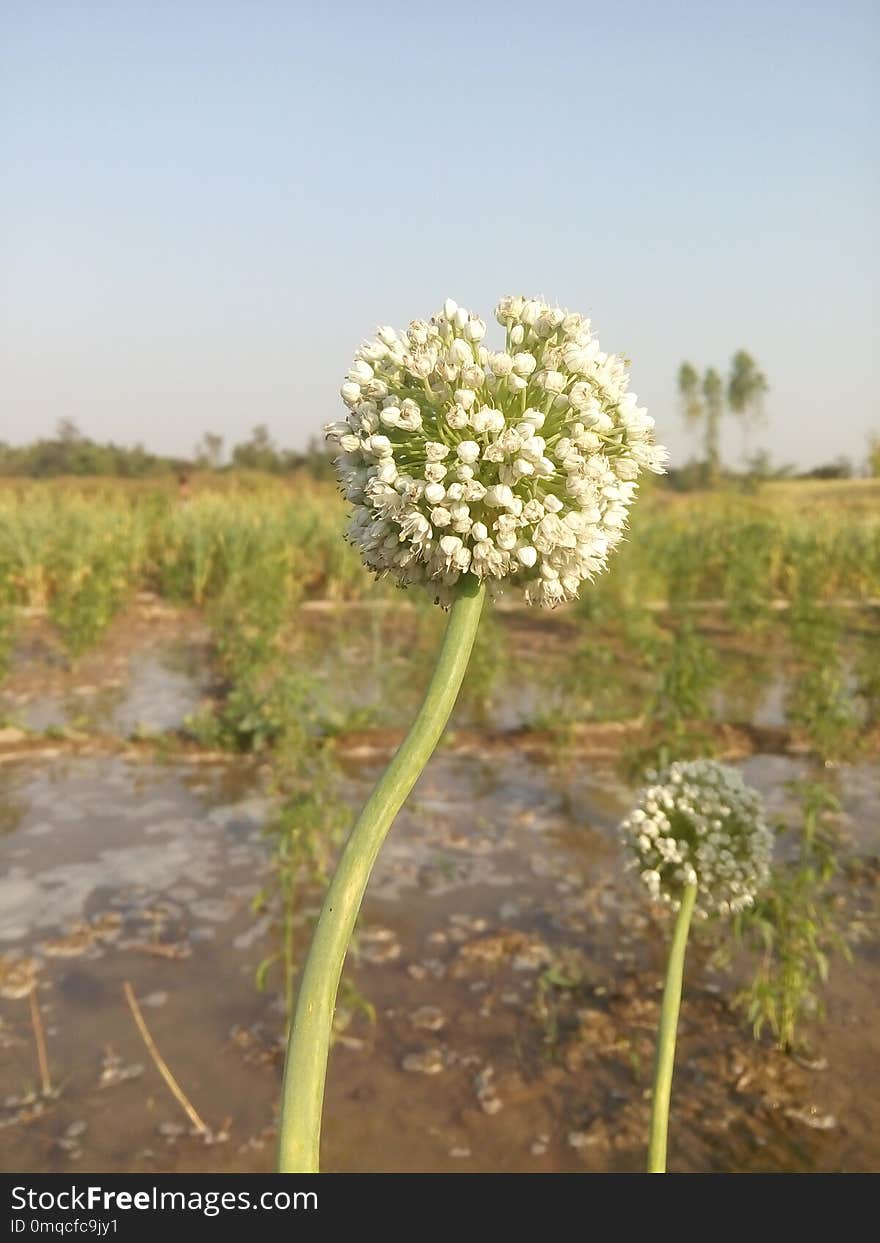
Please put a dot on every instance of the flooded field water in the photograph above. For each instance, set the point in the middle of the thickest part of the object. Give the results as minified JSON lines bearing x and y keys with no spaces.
{"x":512,"y":968}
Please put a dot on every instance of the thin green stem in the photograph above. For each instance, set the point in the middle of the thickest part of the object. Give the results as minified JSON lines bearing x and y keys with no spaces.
{"x":667,"y":1033}
{"x":309,"y":1039}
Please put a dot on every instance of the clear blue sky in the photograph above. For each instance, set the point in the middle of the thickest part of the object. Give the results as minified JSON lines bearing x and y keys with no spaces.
{"x":207,"y":205}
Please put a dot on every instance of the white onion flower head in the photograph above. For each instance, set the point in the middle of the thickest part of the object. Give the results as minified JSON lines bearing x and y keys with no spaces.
{"x":517,"y":465}
{"x":700,"y":824}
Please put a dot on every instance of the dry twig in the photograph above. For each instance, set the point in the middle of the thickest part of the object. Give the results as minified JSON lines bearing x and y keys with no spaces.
{"x":162,"y":1066}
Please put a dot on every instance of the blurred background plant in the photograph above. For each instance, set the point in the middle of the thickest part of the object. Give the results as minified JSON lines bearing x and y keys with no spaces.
{"x":795,"y":927}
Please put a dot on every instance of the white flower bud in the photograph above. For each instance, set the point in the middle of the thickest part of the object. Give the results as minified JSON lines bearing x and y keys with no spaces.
{"x":380,"y":445}
{"x":524,"y":364}
{"x":435,"y":493}
{"x":573,"y":323}
{"x":373,"y":352}
{"x":499,"y":496}
{"x":552,"y":381}
{"x":531,"y":312}
{"x":360,"y":373}
{"x":581,"y":395}
{"x":410,"y":417}
{"x":527,"y":555}
{"x":450,"y":545}
{"x":509,"y":309}
{"x":468,"y":451}
{"x":501,"y":363}
{"x":465,"y":397}
{"x":487,"y":420}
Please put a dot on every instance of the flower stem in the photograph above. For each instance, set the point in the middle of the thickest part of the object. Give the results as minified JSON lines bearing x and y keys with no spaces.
{"x":309,"y":1038}
{"x":667,"y":1033}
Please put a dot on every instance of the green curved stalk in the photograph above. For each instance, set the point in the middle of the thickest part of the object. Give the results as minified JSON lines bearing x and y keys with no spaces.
{"x":667,"y":1033}
{"x":309,"y":1039}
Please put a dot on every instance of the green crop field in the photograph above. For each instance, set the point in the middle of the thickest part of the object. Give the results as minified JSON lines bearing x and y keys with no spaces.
{"x":226,"y":646}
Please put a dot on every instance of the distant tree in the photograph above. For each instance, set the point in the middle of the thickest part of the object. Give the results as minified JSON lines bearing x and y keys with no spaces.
{"x":67,"y":432}
{"x":705,"y":401}
{"x":746,"y":386}
{"x":209,"y":451}
{"x":874,"y":454}
{"x":689,"y":391}
{"x":71,"y":453}
{"x":760,"y":467}
{"x":840,"y":468}
{"x":318,"y":460}
{"x":258,"y":453}
{"x":713,"y":398}
{"x":702,"y":404}
{"x":688,"y":478}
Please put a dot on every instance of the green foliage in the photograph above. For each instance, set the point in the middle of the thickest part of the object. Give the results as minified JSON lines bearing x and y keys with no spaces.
{"x":819,"y":700}
{"x":71,"y":453}
{"x":488,"y":659}
{"x":600,"y":686}
{"x":747,"y":586}
{"x":794,"y":927}
{"x":686,"y":674}
{"x":269,"y":704}
{"x":82,"y":551}
{"x":302,"y":835}
{"x":556,"y":988}
{"x":736,"y":552}
{"x":7,"y":622}
{"x":867,"y":673}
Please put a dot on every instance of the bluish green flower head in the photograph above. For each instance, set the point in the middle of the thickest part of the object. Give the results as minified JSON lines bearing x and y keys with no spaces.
{"x":517,"y":464}
{"x":700,"y":824}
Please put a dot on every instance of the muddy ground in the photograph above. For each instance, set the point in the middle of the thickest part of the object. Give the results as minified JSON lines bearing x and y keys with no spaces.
{"x":503,"y":997}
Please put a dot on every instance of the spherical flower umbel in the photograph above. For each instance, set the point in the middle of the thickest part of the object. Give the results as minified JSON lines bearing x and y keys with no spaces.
{"x":700,"y":824}
{"x":516,"y":465}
